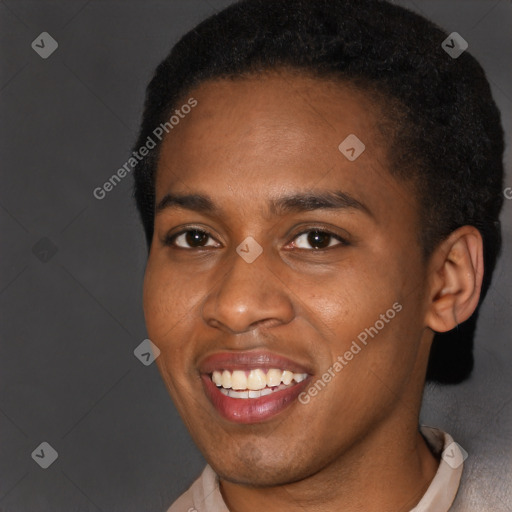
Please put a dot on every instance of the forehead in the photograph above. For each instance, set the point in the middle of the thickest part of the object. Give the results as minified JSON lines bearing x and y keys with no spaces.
{"x":274,"y":131}
{"x":274,"y":111}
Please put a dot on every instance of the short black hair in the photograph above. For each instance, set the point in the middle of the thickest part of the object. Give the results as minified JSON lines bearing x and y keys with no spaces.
{"x":447,"y":136}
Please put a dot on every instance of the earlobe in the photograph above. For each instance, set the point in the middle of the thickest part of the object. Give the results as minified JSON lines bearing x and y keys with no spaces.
{"x":455,"y":276}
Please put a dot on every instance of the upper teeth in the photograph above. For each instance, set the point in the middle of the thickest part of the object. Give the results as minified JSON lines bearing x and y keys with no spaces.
{"x":255,"y":379}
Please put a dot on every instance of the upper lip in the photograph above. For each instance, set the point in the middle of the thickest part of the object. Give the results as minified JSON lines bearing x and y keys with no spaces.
{"x":249,"y":360}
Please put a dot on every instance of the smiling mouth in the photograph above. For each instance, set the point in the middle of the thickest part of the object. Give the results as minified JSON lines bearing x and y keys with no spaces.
{"x":254,"y":383}
{"x":252,"y":386}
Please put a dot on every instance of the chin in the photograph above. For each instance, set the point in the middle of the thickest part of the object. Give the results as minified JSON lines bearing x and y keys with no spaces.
{"x":263,"y":471}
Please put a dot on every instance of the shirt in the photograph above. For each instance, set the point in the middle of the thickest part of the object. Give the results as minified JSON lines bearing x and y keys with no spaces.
{"x":204,"y":495}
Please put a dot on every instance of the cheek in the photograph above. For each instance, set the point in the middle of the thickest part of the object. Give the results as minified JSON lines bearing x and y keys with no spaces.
{"x":167,"y":310}
{"x":350,"y":299}
{"x":165,"y":300}
{"x":364,"y":380}
{"x":369,"y":317}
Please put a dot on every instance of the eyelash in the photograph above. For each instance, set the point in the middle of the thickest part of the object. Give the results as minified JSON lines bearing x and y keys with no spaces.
{"x":170,"y":240}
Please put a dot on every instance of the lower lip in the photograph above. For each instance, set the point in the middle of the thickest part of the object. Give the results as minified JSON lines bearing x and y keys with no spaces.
{"x":251,"y":410}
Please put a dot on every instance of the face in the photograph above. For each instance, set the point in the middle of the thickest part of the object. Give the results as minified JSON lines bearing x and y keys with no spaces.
{"x":275,"y":257}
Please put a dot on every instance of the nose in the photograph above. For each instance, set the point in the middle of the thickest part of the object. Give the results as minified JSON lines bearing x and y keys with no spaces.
{"x":250,"y":295}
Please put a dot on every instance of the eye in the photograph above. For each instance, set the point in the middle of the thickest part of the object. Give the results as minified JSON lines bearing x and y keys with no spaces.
{"x":318,"y":239}
{"x":191,"y":239}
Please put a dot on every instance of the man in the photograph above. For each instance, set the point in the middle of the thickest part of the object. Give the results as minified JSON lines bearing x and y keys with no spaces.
{"x":321,"y":206}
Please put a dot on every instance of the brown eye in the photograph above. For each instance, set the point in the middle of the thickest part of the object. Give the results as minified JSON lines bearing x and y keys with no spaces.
{"x":190,"y":239}
{"x":317,"y":239}
{"x":196,"y":238}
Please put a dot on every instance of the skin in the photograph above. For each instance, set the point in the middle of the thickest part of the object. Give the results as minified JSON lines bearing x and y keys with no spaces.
{"x":252,"y":140}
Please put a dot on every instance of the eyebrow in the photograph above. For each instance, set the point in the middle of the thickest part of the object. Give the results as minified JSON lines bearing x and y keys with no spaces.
{"x":300,"y":202}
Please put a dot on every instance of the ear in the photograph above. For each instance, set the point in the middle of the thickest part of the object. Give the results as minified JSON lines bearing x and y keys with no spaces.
{"x":456,"y":271}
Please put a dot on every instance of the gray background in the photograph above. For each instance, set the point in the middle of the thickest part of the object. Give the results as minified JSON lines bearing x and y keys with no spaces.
{"x":71,"y":319}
